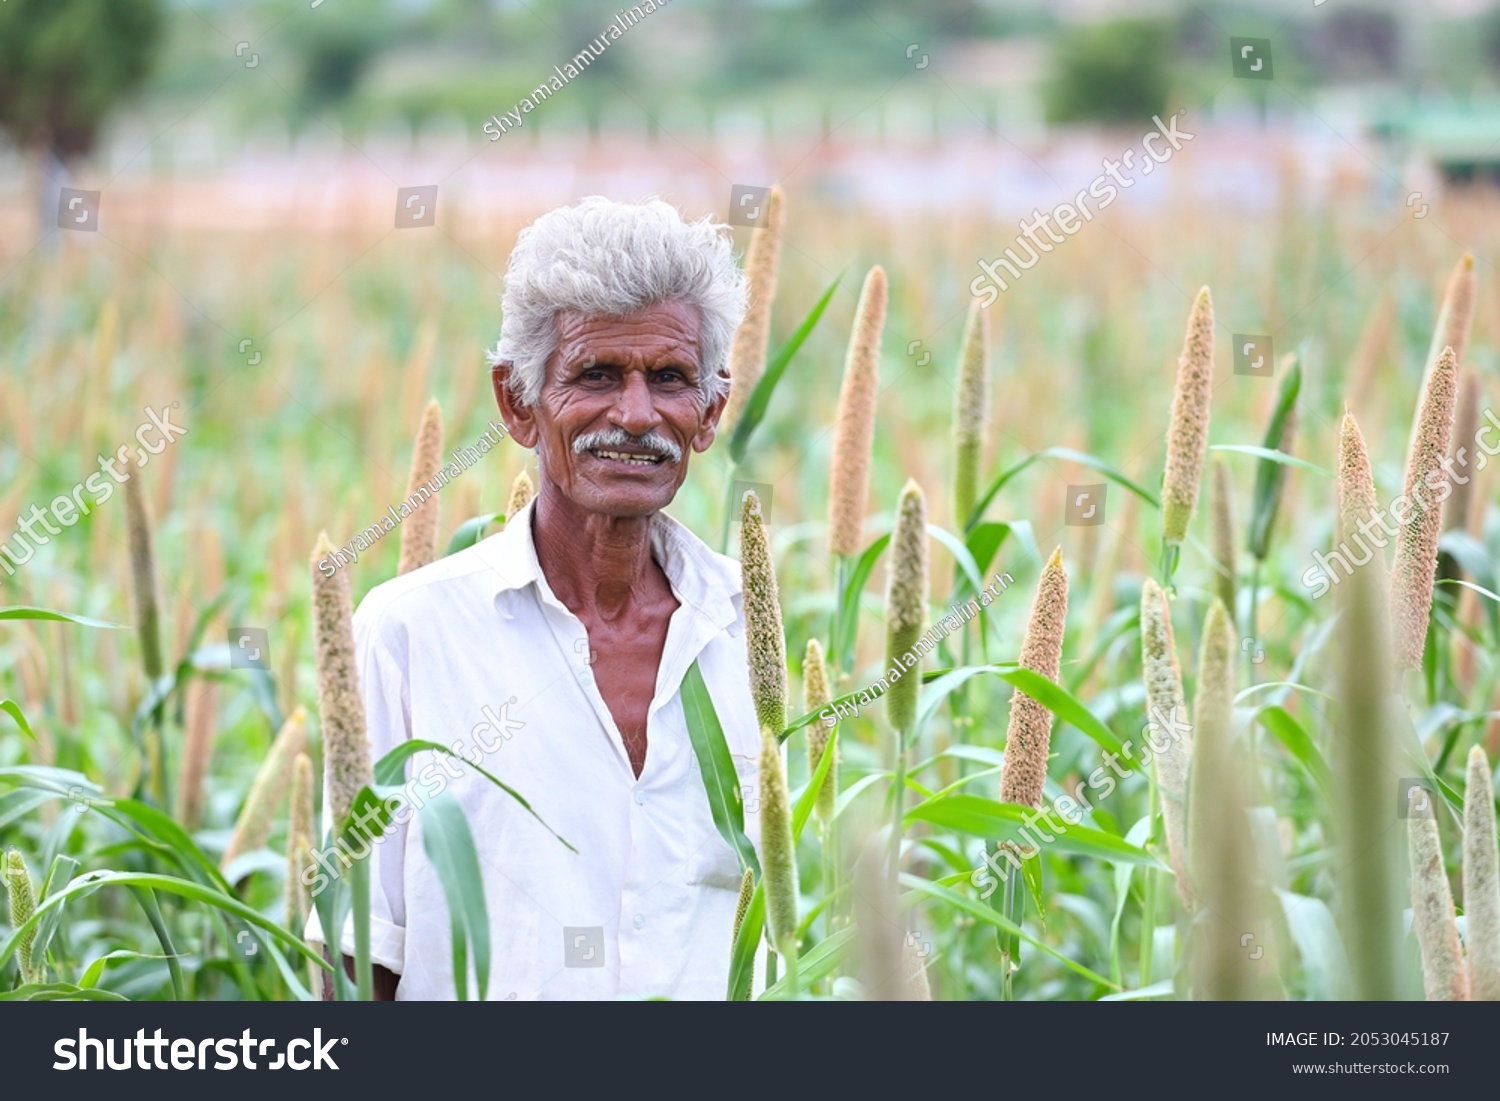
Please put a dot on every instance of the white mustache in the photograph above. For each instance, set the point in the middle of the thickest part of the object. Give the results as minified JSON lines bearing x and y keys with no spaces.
{"x":618,"y":437}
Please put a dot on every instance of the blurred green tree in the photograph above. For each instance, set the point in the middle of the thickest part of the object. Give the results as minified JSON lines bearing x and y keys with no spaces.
{"x":64,"y":64}
{"x":336,"y":47}
{"x":1113,"y":72}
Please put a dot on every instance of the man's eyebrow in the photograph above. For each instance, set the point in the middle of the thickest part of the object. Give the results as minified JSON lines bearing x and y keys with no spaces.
{"x":674,"y":363}
{"x":584,"y":362}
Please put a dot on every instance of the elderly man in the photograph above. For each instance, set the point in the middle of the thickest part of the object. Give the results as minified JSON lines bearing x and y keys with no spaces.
{"x":575,"y":627}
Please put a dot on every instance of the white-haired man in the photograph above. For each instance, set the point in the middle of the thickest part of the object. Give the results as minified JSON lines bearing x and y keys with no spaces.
{"x":575,"y":626}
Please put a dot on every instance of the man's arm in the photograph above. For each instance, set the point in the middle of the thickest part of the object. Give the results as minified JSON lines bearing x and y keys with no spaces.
{"x":385,"y":980}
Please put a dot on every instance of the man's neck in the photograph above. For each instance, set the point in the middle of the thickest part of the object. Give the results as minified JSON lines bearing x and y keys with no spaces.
{"x":600,"y":567}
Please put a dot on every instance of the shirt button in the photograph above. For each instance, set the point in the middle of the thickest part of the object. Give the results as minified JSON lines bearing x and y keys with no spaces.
{"x":640,"y":919}
{"x":586,"y":676}
{"x":734,"y":630}
{"x":640,"y":797}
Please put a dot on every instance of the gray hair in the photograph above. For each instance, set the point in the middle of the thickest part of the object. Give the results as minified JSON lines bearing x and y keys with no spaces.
{"x":609,"y":259}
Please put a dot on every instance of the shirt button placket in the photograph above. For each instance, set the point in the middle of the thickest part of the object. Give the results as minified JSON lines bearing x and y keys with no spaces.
{"x":638,"y":795}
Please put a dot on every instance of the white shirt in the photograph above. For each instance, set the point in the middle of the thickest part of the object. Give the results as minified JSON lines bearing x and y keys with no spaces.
{"x":475,"y":645}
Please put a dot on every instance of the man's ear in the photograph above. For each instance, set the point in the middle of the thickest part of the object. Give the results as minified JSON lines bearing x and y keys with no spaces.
{"x":519,"y":420}
{"x":709,"y":428}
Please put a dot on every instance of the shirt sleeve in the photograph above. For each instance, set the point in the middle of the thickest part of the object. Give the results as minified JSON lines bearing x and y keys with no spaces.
{"x":384,"y":688}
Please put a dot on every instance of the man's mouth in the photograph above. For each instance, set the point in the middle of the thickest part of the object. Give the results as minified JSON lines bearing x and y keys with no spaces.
{"x":633,"y":458}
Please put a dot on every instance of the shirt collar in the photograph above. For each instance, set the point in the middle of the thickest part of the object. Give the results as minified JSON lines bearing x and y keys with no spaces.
{"x":699,"y":577}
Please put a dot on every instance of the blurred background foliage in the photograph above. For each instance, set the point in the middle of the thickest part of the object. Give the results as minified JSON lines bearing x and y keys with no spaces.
{"x":367,"y":61}
{"x":1117,"y":72}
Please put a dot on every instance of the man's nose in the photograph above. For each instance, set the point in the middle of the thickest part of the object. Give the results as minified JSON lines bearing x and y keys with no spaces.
{"x":635,"y":411}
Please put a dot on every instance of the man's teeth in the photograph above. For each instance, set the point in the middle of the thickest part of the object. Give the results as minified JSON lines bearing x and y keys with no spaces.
{"x":623,"y":457}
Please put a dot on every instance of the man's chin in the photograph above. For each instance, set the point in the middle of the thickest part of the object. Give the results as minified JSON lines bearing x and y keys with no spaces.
{"x":627,"y":501}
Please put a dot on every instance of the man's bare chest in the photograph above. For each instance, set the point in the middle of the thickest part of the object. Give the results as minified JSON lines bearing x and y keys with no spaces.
{"x":625,"y":667}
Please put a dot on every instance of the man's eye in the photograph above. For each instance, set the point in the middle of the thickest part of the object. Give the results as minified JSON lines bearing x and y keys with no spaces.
{"x":670,"y":375}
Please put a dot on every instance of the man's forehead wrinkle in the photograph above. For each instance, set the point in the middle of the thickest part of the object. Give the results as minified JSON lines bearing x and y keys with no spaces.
{"x":664,"y":338}
{"x":577,"y":325}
